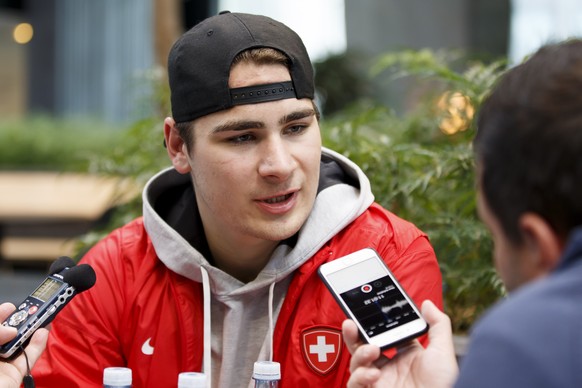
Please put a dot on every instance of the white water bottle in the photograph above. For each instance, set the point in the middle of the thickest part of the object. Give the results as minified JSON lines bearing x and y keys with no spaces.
{"x":267,"y":374}
{"x":116,"y":377}
{"x":191,"y":380}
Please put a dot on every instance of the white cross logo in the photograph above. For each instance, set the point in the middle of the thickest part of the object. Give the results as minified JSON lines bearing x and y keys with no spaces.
{"x":321,"y":349}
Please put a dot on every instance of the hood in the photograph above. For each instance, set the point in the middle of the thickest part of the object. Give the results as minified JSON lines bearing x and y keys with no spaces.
{"x":243,"y":314}
{"x":174,"y":226}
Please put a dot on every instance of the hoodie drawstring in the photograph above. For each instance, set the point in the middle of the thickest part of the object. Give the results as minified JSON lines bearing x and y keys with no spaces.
{"x":206,"y":368}
{"x":271,"y":333}
{"x":207,"y":333}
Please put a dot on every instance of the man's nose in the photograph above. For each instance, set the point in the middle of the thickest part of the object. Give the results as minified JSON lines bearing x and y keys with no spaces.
{"x":277,"y":160}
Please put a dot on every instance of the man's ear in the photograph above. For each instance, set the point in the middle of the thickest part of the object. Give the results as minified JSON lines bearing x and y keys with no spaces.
{"x":544,"y":244}
{"x":177,"y":150}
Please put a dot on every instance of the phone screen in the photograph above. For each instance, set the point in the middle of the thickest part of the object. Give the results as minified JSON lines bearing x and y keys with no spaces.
{"x":377,"y":302}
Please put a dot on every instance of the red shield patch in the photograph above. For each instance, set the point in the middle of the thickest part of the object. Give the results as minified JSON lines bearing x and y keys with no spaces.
{"x":321,"y":348}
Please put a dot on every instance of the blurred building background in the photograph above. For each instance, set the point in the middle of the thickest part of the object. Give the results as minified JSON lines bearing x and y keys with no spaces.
{"x":82,"y":58}
{"x":96,"y":59}
{"x":93,"y":58}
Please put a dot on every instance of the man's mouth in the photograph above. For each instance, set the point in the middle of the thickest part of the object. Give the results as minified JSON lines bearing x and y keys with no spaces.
{"x":279,"y":204}
{"x":280,"y":198}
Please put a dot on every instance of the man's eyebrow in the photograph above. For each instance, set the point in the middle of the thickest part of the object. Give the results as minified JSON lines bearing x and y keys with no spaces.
{"x":297,"y":115}
{"x":237,"y":125}
{"x":242,"y":125}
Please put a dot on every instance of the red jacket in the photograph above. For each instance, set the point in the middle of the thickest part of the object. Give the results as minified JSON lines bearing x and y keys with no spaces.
{"x":137,"y":298}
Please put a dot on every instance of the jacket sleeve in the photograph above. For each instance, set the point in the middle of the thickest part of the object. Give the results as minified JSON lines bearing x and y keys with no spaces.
{"x":83,"y":337}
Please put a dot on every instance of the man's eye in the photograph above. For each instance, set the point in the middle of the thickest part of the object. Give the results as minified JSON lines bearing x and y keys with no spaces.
{"x":296,"y":129}
{"x":241,"y":139}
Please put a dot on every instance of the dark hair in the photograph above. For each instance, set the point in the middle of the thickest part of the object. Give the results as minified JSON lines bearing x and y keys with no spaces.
{"x":529,"y":141}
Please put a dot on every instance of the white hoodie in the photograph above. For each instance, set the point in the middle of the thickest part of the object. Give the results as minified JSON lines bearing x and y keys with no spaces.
{"x":239,"y":317}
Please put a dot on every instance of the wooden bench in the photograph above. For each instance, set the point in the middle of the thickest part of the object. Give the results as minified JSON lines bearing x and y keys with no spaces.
{"x":43,"y":213}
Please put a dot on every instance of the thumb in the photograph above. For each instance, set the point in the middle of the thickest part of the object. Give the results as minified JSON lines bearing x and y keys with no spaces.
{"x":440,"y":334}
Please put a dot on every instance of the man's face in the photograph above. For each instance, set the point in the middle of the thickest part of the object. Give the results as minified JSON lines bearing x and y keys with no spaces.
{"x":515,"y":263}
{"x":255,"y":167}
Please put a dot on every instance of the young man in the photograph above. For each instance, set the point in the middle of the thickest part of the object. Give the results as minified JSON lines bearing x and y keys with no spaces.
{"x":232,"y":236}
{"x":528,"y":147}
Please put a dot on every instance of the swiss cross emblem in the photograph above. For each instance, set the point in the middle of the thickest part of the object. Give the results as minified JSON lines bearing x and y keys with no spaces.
{"x":321,"y":348}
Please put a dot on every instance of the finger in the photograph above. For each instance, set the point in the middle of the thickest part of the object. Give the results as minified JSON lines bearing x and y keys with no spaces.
{"x":363,"y":377}
{"x":37,"y":345}
{"x":350,"y":335}
{"x":364,"y":356}
{"x":7,"y":334}
{"x":33,"y":351}
{"x":440,"y":333}
{"x":5,"y":310}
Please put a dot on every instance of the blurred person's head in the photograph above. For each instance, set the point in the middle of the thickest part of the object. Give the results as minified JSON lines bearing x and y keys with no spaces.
{"x":528,"y":147}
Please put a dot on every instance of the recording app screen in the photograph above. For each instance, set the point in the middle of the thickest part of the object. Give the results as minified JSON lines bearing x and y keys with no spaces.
{"x":379,"y":306}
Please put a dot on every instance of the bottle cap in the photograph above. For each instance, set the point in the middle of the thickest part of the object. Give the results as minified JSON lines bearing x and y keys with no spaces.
{"x":117,"y":376}
{"x":267,"y":370}
{"x":191,"y":380}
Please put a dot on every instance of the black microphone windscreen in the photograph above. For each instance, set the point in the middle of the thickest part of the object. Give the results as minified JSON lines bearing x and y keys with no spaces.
{"x":82,"y":277}
{"x":60,"y":264}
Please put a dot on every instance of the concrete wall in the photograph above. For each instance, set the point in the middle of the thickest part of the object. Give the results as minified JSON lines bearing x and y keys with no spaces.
{"x":382,"y":25}
{"x":12,"y":69}
{"x":373,"y":27}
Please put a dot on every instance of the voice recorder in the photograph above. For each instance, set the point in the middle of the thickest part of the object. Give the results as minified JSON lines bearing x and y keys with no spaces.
{"x":41,"y":306}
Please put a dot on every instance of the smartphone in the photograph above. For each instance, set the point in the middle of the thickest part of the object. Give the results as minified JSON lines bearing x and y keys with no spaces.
{"x":43,"y":304}
{"x":371,"y":296}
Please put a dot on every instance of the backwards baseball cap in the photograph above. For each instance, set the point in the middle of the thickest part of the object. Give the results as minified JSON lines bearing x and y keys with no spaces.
{"x":199,"y":64}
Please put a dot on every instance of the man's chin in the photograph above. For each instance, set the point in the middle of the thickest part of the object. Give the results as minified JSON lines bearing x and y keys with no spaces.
{"x":280,"y":231}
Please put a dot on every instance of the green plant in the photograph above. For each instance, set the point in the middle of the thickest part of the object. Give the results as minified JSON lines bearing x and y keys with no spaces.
{"x":46,"y":143}
{"x":416,"y":170}
{"x":341,"y":80}
{"x":427,"y":176}
{"x":138,"y":155}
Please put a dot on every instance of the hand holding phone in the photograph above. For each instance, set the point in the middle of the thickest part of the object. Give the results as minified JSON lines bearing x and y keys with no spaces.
{"x":371,"y":296}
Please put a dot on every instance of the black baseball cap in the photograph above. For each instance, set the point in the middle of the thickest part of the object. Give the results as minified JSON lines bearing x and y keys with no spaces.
{"x":200,"y":60}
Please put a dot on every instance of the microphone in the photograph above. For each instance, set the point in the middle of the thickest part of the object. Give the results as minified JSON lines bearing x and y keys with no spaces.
{"x":60,"y":264}
{"x":82,"y":277}
{"x":64,"y":281}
